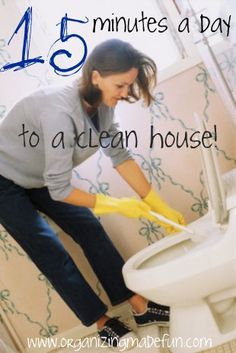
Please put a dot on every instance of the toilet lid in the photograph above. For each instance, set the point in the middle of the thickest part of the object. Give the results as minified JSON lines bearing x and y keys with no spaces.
{"x":212,"y":176}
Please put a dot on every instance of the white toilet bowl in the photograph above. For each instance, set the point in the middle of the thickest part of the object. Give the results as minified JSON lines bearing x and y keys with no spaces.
{"x":178,"y":270}
{"x":187,"y":272}
{"x":195,"y":274}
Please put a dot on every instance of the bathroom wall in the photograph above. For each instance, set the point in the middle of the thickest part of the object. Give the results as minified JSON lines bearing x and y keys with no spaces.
{"x":6,"y":343}
{"x":27,"y":298}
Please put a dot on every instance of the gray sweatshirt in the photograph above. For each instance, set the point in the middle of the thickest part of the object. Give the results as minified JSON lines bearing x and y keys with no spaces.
{"x":48,"y":133}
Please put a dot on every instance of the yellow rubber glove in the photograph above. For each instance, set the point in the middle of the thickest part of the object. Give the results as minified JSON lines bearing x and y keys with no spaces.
{"x":129,"y":207}
{"x":158,"y":205}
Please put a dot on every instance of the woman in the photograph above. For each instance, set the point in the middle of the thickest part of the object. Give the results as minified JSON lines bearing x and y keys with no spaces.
{"x":39,"y":147}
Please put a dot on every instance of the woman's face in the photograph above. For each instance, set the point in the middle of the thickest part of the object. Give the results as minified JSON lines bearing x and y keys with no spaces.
{"x":114,"y":87}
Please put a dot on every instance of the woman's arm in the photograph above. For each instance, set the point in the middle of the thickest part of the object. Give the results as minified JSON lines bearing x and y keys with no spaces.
{"x":129,"y":171}
{"x":79,"y":197}
{"x":133,"y":175}
{"x":103,"y":204}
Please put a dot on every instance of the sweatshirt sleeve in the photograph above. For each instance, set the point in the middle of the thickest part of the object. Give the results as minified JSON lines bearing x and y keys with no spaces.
{"x":116,"y":150}
{"x":59,"y":139}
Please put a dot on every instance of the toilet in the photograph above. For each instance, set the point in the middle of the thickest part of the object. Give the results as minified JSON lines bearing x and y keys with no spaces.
{"x":195,"y":274}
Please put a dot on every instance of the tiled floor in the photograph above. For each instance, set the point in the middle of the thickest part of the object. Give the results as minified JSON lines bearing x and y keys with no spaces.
{"x":150,"y":339}
{"x":147,"y":340}
{"x":148,"y":343}
{"x":226,"y":348}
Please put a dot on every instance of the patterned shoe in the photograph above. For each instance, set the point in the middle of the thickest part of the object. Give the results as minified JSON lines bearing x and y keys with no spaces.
{"x":117,"y":335}
{"x":154,"y":314}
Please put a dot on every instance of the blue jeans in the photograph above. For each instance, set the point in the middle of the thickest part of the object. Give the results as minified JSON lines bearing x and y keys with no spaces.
{"x":20,"y":217}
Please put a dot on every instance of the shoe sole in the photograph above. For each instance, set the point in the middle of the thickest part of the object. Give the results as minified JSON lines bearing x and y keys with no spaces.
{"x":158,"y":323}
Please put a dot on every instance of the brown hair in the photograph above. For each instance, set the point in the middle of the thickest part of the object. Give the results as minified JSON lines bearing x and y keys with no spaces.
{"x":116,"y":56}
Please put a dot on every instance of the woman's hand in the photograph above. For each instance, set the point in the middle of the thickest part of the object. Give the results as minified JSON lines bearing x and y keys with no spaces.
{"x":158,"y":205}
{"x":129,"y":207}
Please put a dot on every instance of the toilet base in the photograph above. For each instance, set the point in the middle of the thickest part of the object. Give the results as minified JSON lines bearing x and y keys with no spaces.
{"x":196,"y":328}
